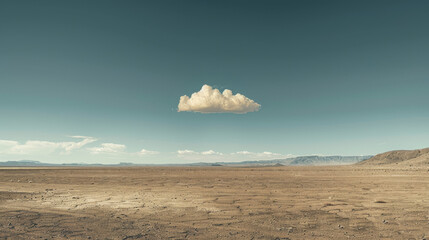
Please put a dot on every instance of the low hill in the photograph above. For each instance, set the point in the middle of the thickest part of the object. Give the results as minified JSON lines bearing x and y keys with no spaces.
{"x":419,"y":157}
{"x":326,"y":160}
{"x":25,"y":163}
{"x":295,"y":161}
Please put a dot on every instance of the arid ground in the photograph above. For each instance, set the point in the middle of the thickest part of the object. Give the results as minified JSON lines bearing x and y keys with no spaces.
{"x":336,"y":202}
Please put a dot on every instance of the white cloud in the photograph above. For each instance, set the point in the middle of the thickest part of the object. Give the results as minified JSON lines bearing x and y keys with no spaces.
{"x":182,"y":152}
{"x":147,"y":152}
{"x":211,"y":152}
{"x":244,"y":152}
{"x":213,"y":156}
{"x":205,"y":156}
{"x":189,"y":152}
{"x":108,"y":148}
{"x":258,"y":154}
{"x":42,"y":147}
{"x":75,"y":145}
{"x":67,"y":151}
{"x":263,"y":155}
{"x":209,"y":100}
{"x":114,"y":148}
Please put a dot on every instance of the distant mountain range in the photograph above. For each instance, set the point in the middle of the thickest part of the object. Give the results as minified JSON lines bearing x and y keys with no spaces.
{"x":419,"y":157}
{"x":296,"y":161}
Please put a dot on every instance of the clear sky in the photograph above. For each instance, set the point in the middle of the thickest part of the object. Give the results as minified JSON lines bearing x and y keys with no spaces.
{"x":99,"y":81}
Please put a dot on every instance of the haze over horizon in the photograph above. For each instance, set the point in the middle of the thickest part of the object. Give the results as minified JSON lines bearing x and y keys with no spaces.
{"x":191,"y":81}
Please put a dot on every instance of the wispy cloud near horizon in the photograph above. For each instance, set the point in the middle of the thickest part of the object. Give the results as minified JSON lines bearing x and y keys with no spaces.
{"x":108,"y":151}
{"x":108,"y":148}
{"x":213,"y":156}
{"x":147,"y":152}
{"x":43,"y":147}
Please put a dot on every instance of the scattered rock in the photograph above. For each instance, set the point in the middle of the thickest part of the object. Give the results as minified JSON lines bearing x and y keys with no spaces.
{"x":133,"y":236}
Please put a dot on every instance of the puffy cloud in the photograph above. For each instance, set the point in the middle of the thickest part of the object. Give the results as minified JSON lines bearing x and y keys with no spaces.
{"x":42,"y":147}
{"x":108,"y":148}
{"x":147,"y":152}
{"x":209,"y":100}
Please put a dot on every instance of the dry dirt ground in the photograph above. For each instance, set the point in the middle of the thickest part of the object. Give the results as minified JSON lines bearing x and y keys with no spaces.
{"x":347,"y":202}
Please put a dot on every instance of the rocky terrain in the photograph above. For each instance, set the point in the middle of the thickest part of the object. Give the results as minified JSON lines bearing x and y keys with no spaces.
{"x":410,"y":158}
{"x":283,"y":202}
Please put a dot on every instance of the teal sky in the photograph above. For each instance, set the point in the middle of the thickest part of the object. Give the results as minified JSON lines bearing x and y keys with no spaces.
{"x":331,"y":77}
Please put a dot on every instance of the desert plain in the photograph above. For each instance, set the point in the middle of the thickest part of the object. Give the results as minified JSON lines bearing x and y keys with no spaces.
{"x":284,"y":202}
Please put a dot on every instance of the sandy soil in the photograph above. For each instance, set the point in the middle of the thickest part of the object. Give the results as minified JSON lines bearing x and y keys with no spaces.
{"x":347,"y":202}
